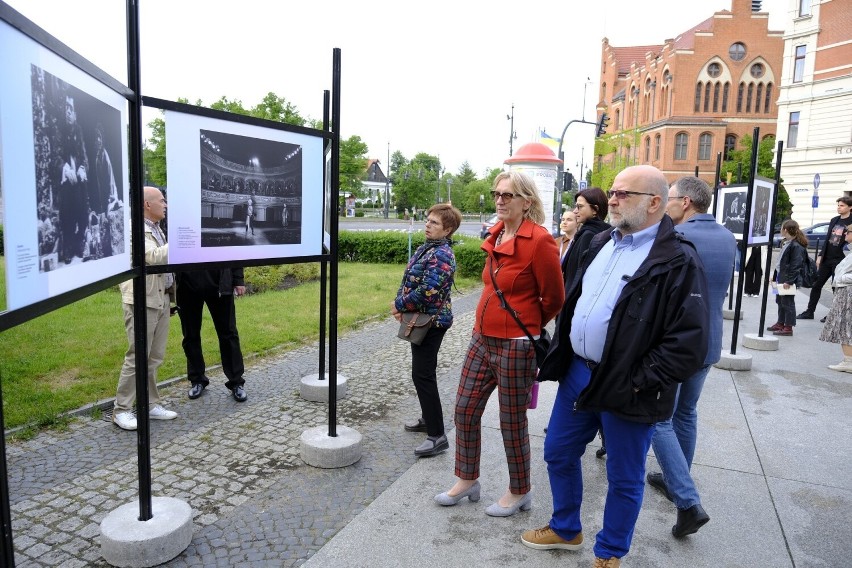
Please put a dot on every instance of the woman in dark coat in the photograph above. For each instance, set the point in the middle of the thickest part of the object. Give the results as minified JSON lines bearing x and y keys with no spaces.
{"x":591,"y":208}
{"x":789,"y":272}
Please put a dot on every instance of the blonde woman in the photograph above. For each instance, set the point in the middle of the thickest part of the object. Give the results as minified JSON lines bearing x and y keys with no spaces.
{"x":523,"y":263}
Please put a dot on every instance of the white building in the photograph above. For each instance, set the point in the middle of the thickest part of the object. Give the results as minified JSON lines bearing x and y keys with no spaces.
{"x":815,"y":106}
{"x":374,"y":183}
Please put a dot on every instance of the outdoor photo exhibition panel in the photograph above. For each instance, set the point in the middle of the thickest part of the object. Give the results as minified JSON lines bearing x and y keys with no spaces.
{"x":240,"y":191}
{"x":63,"y":165}
{"x":731,"y":212}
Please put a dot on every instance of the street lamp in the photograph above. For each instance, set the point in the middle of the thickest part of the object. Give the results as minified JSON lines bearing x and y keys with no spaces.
{"x":588,"y":82}
{"x":512,"y":134}
{"x":449,"y":191}
{"x":635,"y":93}
{"x":387,"y":186}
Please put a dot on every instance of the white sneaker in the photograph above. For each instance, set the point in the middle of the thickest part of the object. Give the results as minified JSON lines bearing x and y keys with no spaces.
{"x":157,"y":412}
{"x":124,"y":420}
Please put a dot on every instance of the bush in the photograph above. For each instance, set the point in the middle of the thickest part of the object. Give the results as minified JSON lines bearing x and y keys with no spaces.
{"x":388,"y":247}
{"x":277,"y":277}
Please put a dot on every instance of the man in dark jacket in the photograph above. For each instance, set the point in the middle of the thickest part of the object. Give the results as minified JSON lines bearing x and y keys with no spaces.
{"x":831,"y":253}
{"x":634,"y":324}
{"x":217,"y":289}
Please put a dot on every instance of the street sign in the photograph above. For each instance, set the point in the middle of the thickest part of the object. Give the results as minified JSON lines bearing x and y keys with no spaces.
{"x":816,"y":182}
{"x":583,"y":185}
{"x":815,"y":201}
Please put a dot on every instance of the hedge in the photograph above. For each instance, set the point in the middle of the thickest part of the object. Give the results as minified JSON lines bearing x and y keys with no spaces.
{"x":391,"y":247}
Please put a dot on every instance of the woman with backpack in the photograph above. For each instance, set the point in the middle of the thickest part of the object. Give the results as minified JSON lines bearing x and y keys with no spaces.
{"x":788,"y":276}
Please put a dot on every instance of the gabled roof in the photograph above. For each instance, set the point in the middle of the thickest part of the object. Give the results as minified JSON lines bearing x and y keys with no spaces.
{"x":374,"y":172}
{"x":628,"y":55}
{"x":686,"y":40}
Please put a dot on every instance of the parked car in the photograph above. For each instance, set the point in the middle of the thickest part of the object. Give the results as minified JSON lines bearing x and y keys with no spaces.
{"x":816,"y":235}
{"x":486,"y":226}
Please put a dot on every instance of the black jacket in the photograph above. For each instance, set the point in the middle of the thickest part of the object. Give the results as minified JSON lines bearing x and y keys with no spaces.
{"x":657,"y":335}
{"x":791,"y":264}
{"x":582,"y":239}
{"x":222,"y":281}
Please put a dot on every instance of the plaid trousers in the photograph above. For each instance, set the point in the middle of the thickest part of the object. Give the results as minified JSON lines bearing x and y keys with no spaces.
{"x":510,"y":366}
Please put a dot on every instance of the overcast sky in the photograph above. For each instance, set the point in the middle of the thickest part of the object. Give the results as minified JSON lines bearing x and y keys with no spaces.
{"x":439,"y":78}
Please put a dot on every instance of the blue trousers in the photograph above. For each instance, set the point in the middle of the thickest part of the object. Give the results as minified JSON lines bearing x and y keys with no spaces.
{"x":674,"y":441}
{"x":627,"y":444}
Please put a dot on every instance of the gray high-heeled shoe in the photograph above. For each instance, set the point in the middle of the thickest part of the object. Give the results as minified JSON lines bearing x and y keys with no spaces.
{"x":522,"y":504}
{"x":472,"y":493}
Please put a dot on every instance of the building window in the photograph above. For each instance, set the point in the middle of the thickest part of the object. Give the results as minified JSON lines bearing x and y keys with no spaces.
{"x":737,"y":51}
{"x":804,"y":7}
{"x":725,"y":92}
{"x":793,"y":130}
{"x":714,"y":70}
{"x":758,"y":97}
{"x":757,"y":70}
{"x":716,"y":97}
{"x":667,"y":77}
{"x":681,"y":144}
{"x":730,"y":145}
{"x":647,"y":149}
{"x":698,"y":97}
{"x":618,"y":119}
{"x":799,"y":65}
{"x":768,"y":98}
{"x":748,"y":97}
{"x":707,"y":97}
{"x":740,"y":91}
{"x":705,"y":143}
{"x":657,"y":147}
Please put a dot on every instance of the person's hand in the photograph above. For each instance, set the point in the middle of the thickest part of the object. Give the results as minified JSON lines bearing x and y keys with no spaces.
{"x":68,"y":174}
{"x":395,"y":313}
{"x":786,"y":286}
{"x":239,"y":291}
{"x":81,"y":174}
{"x":818,"y":261}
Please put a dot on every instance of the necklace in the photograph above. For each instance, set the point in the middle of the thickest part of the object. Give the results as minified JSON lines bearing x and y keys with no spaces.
{"x":500,"y":236}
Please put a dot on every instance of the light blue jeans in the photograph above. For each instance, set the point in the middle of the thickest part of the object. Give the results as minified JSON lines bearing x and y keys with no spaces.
{"x":674,"y":441}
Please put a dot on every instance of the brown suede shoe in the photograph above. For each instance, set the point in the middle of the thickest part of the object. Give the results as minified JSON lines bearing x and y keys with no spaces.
{"x":545,"y":539}
{"x":608,"y":563}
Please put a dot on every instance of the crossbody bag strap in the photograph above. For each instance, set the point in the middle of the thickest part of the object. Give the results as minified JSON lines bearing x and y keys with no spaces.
{"x":503,"y":303}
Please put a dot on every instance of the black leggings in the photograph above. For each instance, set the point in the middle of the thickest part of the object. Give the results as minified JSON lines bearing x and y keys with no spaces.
{"x":424,"y":364}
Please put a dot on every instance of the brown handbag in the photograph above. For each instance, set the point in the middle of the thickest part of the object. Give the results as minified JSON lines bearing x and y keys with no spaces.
{"x":413,"y":326}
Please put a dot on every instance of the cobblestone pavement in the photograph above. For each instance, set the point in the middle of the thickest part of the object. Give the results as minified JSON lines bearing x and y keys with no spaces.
{"x":254,"y":501}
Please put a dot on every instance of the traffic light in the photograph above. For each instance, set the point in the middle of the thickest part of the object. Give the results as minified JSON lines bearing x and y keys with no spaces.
{"x":602,"y":124}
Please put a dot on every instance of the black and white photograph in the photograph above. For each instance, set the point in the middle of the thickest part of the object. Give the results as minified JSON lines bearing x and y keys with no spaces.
{"x":64,"y":150}
{"x":251,"y":191}
{"x":732,"y":209}
{"x":761,"y":209}
{"x":241,"y":191}
{"x":79,"y":198}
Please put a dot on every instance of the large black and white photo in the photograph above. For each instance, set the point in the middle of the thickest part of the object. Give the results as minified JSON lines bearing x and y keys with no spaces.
{"x":761,"y":212}
{"x":251,"y":191}
{"x":732,"y":209}
{"x":241,"y":191}
{"x":63,"y":139}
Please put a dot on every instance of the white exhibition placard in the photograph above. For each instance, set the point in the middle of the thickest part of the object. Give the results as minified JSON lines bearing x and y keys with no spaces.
{"x":63,"y":173}
{"x":239,"y":191}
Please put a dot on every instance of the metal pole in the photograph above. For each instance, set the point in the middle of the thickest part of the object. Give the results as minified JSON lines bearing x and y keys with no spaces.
{"x":335,"y":221}
{"x":511,"y":129}
{"x":387,"y":185}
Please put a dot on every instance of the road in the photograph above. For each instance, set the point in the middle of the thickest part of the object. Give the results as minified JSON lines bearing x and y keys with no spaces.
{"x":469,"y":226}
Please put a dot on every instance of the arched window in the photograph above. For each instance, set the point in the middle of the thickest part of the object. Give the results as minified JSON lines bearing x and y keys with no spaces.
{"x":725,"y":92}
{"x":716,"y":97}
{"x":705,"y":144}
{"x":647,"y":149}
{"x":758,"y":97}
{"x":730,"y":146}
{"x":698,"y":97}
{"x":768,"y":98}
{"x":681,"y":145}
{"x":707,"y":97}
{"x":740,"y":91}
{"x":657,"y":139}
{"x":749,"y":97}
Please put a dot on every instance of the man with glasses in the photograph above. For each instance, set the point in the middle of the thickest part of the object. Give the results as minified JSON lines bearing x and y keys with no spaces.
{"x":634,"y":324}
{"x":674,"y":439}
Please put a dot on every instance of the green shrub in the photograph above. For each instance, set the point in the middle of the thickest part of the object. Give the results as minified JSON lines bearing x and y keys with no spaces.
{"x":277,"y":277}
{"x":390,"y":247}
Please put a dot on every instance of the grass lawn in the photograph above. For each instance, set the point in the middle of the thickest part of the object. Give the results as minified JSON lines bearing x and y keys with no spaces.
{"x":72,"y":356}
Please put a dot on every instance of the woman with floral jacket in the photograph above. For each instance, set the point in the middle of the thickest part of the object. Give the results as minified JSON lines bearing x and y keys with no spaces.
{"x":426,"y":288}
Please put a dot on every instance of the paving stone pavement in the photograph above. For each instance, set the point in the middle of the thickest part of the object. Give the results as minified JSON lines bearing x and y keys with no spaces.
{"x":254,"y":501}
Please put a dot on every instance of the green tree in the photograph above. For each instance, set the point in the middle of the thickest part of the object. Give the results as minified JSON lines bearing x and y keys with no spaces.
{"x":353,"y":165}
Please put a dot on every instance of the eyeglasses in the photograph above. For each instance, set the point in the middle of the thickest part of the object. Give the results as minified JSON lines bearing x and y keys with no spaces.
{"x":621,"y":194}
{"x":431,"y":223}
{"x":507,"y":196}
{"x":676,"y":197}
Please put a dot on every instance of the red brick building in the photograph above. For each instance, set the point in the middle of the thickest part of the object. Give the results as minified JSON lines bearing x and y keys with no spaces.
{"x":677,"y":105}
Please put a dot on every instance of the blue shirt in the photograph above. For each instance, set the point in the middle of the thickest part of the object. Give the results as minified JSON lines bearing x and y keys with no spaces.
{"x":603,"y":281}
{"x":717,"y":249}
